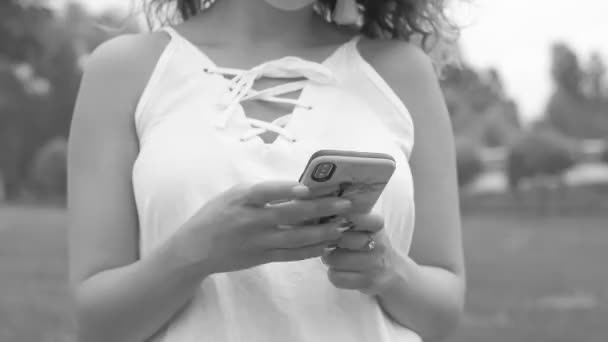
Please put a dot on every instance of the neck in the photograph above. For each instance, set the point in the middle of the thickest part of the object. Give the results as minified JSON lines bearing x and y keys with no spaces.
{"x":243,"y":22}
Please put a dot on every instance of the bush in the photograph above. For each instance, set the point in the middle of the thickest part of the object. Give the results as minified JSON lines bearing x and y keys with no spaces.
{"x":48,"y":172}
{"x":540,"y":152}
{"x":604,"y":156}
{"x":468,"y":161}
{"x":2,"y":191}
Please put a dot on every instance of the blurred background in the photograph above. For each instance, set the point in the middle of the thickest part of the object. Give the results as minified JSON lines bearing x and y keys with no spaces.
{"x":529,"y":106}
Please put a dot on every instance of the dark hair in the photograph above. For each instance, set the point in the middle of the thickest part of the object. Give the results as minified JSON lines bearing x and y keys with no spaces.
{"x":421,"y":21}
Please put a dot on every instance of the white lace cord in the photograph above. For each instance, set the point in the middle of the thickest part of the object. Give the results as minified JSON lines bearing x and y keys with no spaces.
{"x":263,"y":126}
{"x":241,"y":89}
{"x":245,"y":81}
{"x":270,"y":93}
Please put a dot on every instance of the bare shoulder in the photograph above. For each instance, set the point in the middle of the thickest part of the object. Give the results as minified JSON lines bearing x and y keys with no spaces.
{"x":120,"y":68}
{"x":115,"y":74}
{"x":410,"y":72}
{"x":397,"y":59}
{"x":404,"y":66}
{"x":131,"y":53}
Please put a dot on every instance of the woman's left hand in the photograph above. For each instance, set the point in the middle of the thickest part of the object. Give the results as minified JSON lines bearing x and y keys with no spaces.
{"x":364,"y":258}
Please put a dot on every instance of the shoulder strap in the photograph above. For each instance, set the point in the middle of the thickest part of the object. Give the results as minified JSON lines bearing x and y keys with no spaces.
{"x":172,"y":33}
{"x":184,"y":43}
{"x":352,"y":44}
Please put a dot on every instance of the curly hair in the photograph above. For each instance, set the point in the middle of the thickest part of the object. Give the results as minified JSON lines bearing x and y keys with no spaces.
{"x":424,"y":22}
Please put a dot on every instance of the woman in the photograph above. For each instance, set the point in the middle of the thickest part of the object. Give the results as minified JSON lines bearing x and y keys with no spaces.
{"x":172,"y":163}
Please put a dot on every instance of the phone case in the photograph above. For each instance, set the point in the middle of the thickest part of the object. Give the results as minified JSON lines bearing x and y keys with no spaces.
{"x":359,"y":176}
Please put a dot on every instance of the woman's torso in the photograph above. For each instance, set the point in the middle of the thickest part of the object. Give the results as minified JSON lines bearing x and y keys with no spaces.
{"x":185,"y":159}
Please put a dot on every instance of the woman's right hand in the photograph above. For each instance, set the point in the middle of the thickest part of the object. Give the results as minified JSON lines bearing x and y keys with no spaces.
{"x":240,"y":228}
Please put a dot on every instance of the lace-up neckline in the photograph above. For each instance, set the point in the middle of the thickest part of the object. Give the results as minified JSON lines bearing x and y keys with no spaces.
{"x":240,"y":89}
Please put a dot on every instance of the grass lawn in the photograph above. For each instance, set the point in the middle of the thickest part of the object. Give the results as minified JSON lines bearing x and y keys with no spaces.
{"x":536,"y":279}
{"x":530,"y":279}
{"x":33,"y":276}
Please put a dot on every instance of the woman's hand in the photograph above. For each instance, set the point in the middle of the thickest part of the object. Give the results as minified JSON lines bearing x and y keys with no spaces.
{"x":364,"y":258}
{"x":250,"y":225}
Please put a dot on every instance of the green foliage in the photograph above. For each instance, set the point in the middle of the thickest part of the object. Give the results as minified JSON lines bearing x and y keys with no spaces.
{"x":540,"y":152}
{"x":500,"y":125}
{"x":468,"y":161}
{"x":479,"y":107}
{"x":604,"y":156}
{"x":579,"y":105}
{"x":576,"y":116}
{"x":48,"y":170}
{"x":566,"y":69}
{"x":594,"y":86}
{"x":20,"y":29}
{"x":40,"y":54}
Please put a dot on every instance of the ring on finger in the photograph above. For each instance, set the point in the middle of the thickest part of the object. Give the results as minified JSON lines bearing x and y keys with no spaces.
{"x":371,"y":243}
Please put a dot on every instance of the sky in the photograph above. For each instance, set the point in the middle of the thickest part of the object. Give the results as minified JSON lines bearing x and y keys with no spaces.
{"x":514,"y":36}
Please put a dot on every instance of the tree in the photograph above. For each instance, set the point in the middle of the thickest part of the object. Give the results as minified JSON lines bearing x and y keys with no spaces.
{"x":566,"y":69}
{"x":500,"y":124}
{"x":479,"y":107}
{"x":570,"y":109}
{"x":20,"y":28}
{"x":40,"y":53}
{"x":595,"y":88}
{"x":542,"y":152}
{"x":468,"y":161}
{"x":48,"y":170}
{"x":604,"y":156}
{"x":20,"y":46}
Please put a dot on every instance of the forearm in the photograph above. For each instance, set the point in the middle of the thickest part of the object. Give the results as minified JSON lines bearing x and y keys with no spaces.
{"x":132,"y":303}
{"x":428,"y":300}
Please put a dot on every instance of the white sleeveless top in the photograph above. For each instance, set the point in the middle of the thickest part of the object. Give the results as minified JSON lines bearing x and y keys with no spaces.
{"x":196,"y":142}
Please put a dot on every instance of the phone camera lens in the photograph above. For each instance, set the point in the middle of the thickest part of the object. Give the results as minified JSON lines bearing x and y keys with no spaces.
{"x":323,"y":172}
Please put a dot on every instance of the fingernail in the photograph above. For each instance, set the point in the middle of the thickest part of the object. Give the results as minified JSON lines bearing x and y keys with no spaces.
{"x":324,"y":256}
{"x":345,"y":223}
{"x":342,"y":204}
{"x":344,"y":226}
{"x":285,"y":226}
{"x":341,"y":229}
{"x":300,"y":190}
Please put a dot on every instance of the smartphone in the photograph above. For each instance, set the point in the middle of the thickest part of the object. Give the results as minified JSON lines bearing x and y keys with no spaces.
{"x":358,"y":176}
